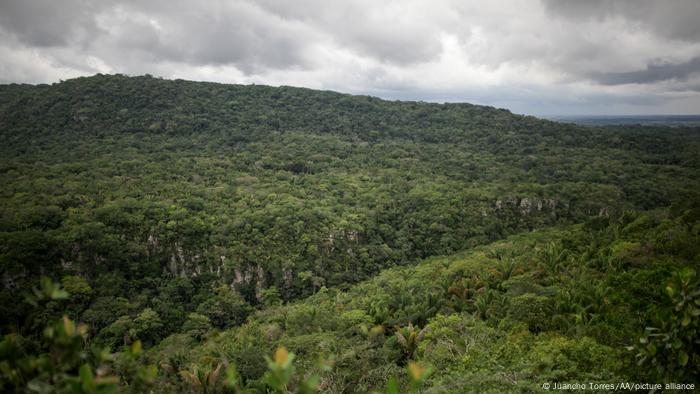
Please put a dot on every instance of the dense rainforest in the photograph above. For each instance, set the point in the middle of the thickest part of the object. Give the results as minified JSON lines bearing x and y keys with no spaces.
{"x":177,"y":236}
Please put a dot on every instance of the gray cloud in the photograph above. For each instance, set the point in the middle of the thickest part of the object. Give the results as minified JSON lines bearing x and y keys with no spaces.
{"x":247,"y":34}
{"x":652,"y":73}
{"x":535,"y":56}
{"x":391,"y":35}
{"x":47,"y":23}
{"x":237,"y":33}
{"x":677,"y":19}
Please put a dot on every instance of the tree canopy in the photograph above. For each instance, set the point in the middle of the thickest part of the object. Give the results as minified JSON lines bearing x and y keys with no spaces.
{"x":465,"y":244}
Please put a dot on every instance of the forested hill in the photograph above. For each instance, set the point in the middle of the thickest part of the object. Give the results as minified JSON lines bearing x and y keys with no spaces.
{"x":139,"y":175}
{"x":170,"y":207}
{"x":104,"y":104}
{"x":144,"y":104}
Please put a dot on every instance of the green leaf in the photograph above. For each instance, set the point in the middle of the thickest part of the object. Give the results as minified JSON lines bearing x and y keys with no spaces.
{"x":687,"y":274}
{"x":651,"y":348}
{"x":231,"y":376}
{"x":86,"y":377}
{"x":682,"y":358}
{"x":685,"y":321}
{"x":136,"y":348}
{"x":677,"y":344}
{"x":85,"y":372}
{"x":392,"y":386}
{"x":59,"y":294}
{"x":670,"y":290}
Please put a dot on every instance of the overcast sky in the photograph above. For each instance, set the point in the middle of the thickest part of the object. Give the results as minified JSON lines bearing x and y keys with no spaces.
{"x":535,"y":57}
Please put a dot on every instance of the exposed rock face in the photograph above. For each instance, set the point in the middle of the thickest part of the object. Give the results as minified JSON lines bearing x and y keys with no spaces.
{"x":525,"y":206}
{"x":522,"y":212}
{"x":528,"y":212}
{"x":342,"y":235}
{"x":528,"y":205}
{"x":246,"y":276}
{"x":178,"y":263}
{"x":288,"y":277}
{"x":352,"y":235}
{"x":238,"y":277}
{"x":330,"y":242}
{"x":260,"y":284}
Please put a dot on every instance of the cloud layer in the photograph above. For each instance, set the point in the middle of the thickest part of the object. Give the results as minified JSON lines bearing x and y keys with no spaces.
{"x":537,"y":57}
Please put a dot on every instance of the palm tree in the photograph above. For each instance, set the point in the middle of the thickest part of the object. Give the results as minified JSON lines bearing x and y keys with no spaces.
{"x":379,"y":310}
{"x":462,"y":292}
{"x":174,"y":363}
{"x":490,"y":303}
{"x":552,"y":257}
{"x":409,"y":338}
{"x":204,"y":381}
{"x":503,"y":271}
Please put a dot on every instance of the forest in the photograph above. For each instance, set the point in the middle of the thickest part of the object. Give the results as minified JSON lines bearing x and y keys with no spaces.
{"x":173,"y":236}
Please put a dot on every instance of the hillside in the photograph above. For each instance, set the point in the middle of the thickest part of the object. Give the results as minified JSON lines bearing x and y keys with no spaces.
{"x":162,"y":206}
{"x":556,"y":305}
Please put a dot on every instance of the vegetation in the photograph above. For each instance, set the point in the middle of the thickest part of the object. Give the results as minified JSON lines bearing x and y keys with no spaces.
{"x":190,"y":229}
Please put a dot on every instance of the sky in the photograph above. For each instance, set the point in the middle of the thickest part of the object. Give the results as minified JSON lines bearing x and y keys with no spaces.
{"x":537,"y":57}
